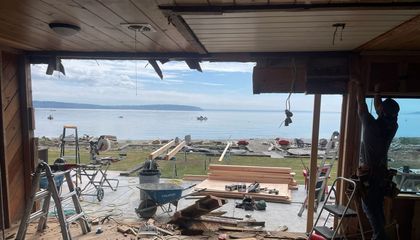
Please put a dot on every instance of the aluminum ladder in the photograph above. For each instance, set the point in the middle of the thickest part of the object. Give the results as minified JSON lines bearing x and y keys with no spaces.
{"x":338,"y":211}
{"x":65,"y":139}
{"x":44,"y":169}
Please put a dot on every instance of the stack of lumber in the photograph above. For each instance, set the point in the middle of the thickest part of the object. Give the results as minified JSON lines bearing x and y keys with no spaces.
{"x":237,"y":173}
{"x":217,"y":188}
{"x":280,"y":178}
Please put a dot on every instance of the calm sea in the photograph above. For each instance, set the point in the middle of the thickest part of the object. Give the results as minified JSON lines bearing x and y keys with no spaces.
{"x":148,"y":125}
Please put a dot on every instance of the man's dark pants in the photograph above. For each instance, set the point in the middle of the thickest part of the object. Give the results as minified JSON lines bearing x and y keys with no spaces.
{"x":373,"y":206}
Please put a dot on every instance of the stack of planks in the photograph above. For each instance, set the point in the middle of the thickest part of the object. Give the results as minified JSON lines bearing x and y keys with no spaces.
{"x":279,"y":178}
{"x":237,"y":173}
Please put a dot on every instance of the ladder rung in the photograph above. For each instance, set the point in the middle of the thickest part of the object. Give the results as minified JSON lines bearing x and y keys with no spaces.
{"x":326,"y":232}
{"x":75,"y":217}
{"x":37,"y":215}
{"x":41,"y":194}
{"x":67,"y":195}
{"x":60,"y":173}
{"x":338,"y":210}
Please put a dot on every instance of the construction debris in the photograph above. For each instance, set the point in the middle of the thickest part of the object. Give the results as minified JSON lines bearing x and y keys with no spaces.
{"x":199,"y":208}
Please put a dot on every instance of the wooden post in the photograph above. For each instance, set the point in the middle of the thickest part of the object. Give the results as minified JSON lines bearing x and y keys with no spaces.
{"x":28,"y":124}
{"x":314,"y":162}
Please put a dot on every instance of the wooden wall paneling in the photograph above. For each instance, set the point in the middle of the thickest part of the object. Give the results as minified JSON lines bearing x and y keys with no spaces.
{"x":158,"y":19}
{"x":2,"y":150}
{"x":13,"y":163}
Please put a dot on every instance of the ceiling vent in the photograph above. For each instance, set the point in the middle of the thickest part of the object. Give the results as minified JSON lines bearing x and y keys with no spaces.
{"x":139,"y":27}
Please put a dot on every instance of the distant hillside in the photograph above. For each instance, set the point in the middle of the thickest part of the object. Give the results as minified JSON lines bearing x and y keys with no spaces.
{"x":173,"y":107}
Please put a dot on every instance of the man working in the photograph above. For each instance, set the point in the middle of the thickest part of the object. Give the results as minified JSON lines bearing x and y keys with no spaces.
{"x":377,"y":135}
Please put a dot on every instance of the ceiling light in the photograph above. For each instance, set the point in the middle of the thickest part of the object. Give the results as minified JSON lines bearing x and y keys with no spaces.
{"x":64,"y":29}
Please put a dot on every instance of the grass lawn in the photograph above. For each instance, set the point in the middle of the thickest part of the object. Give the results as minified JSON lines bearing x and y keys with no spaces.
{"x":195,"y":163}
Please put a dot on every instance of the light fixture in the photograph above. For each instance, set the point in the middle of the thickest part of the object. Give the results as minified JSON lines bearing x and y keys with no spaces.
{"x":64,"y":29}
{"x":139,"y":27}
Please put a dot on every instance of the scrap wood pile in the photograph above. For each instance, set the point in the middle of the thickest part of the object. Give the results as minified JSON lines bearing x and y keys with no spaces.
{"x":274,"y":183}
{"x":200,"y":220}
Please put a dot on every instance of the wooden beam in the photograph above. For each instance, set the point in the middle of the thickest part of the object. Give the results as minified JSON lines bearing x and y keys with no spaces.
{"x":185,"y":30}
{"x":218,"y":10}
{"x":156,"y":68}
{"x":43,"y":57}
{"x":224,"y":151}
{"x":314,"y":162}
{"x":174,"y":151}
{"x":25,"y":93}
{"x":161,"y":150}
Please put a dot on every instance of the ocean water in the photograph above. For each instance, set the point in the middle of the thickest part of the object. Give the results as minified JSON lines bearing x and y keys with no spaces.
{"x":150,"y":125}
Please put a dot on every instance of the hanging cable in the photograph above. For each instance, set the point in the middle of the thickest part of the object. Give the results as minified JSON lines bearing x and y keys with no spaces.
{"x":336,"y":26}
{"x":135,"y":50}
{"x":288,"y":112}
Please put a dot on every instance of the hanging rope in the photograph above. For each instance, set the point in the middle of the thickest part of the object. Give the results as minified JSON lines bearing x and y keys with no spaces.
{"x":337,"y":26}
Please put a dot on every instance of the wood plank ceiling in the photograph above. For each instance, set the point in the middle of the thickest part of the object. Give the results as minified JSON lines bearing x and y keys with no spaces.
{"x":293,"y":31}
{"x":24,"y":25}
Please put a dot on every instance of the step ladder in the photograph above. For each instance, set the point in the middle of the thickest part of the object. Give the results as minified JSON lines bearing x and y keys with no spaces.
{"x":42,"y":170}
{"x":340,"y":212}
{"x":321,"y":183}
{"x":70,"y":137}
{"x":323,"y":171}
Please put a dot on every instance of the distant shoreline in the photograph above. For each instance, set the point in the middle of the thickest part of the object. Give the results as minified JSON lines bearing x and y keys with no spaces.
{"x":66,"y":105}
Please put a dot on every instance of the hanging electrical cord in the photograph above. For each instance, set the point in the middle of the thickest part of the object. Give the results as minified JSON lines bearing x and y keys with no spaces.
{"x":135,"y":50}
{"x":337,"y":26}
{"x":288,"y":112}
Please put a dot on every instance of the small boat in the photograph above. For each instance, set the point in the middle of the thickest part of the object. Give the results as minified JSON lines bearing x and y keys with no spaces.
{"x":50,"y":117}
{"x":201,"y":118}
{"x":120,"y":117}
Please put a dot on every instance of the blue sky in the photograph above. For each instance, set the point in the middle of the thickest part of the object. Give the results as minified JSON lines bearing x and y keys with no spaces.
{"x":219,"y":86}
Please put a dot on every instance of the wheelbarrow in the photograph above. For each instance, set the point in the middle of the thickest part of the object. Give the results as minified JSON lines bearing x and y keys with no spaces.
{"x":158,"y":195}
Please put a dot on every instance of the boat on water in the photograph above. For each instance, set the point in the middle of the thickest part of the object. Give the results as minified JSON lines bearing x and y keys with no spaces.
{"x":201,"y":118}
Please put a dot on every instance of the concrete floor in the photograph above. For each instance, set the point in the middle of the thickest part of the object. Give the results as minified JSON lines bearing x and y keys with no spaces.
{"x":120,"y":205}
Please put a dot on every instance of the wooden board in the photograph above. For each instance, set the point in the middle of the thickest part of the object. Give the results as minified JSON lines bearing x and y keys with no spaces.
{"x":250,"y":168}
{"x":217,"y":188}
{"x":161,"y":150}
{"x":174,"y":151}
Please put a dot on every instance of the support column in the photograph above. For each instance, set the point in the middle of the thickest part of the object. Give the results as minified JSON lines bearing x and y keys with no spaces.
{"x":314,"y":162}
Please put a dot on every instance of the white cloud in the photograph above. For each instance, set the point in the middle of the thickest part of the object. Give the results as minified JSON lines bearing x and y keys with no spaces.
{"x":116,"y":82}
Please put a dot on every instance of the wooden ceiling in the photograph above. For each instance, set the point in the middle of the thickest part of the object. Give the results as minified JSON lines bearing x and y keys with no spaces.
{"x":24,"y":25}
{"x":293,"y":31}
